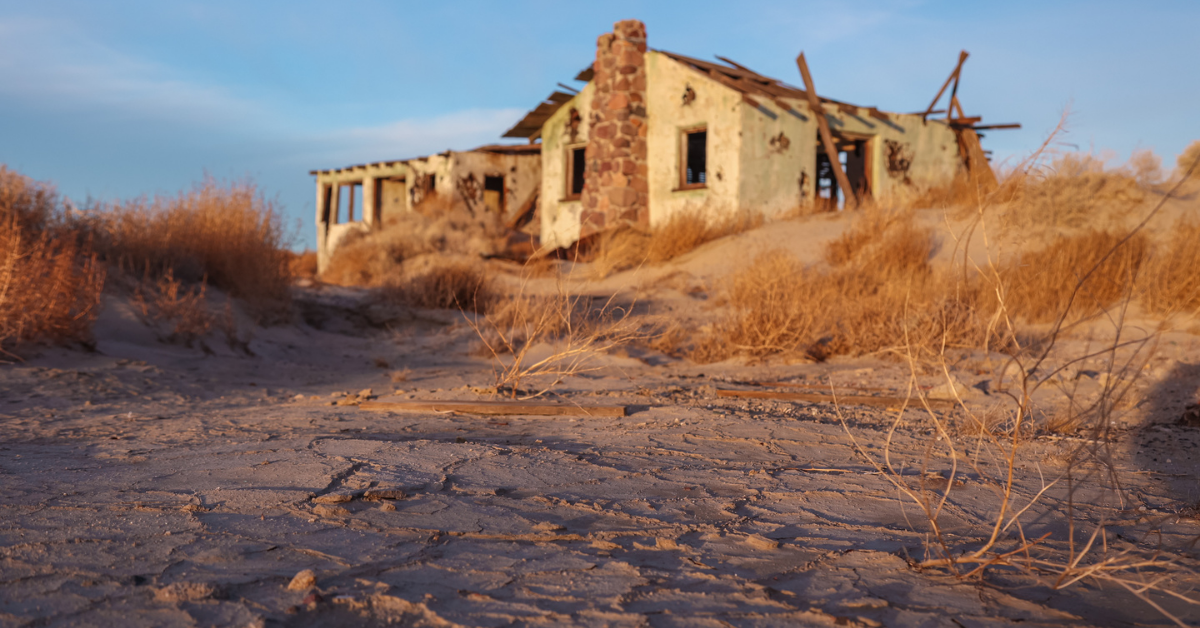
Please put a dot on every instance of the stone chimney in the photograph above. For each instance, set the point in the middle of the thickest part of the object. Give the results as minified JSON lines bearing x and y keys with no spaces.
{"x":615,"y":189}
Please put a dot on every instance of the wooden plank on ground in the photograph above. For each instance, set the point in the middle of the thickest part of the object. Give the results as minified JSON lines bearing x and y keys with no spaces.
{"x":844,"y":400}
{"x":502,"y":407}
{"x":819,"y":388}
{"x":814,"y":104}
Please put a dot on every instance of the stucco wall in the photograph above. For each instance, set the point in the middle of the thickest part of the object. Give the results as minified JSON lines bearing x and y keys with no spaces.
{"x":772,"y":174}
{"x":779,"y":156}
{"x":716,"y":107}
{"x":561,"y":218}
{"x":522,"y":175}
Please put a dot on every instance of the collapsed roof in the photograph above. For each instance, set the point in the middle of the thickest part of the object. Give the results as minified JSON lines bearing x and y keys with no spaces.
{"x":752,"y":85}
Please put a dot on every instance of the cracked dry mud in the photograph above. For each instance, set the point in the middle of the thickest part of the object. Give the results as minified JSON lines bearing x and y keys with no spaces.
{"x":148,"y":485}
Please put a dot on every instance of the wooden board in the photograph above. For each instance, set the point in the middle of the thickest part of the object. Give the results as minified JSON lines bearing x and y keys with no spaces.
{"x":845,"y":400}
{"x":505,"y":407}
{"x":814,"y":104}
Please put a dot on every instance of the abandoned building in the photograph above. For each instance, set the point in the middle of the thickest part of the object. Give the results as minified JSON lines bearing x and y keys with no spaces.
{"x":502,"y":180}
{"x":653,"y":133}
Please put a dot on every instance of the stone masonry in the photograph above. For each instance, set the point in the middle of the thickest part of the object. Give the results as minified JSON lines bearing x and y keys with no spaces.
{"x":616,"y":189}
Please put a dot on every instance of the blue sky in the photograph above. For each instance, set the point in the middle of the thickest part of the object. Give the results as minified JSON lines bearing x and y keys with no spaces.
{"x":117,"y":99}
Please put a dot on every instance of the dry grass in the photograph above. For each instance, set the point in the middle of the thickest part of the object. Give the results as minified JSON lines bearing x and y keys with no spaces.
{"x":1055,"y":281}
{"x":449,"y":284}
{"x":1170,"y":283}
{"x":1186,"y":164}
{"x":377,"y":258}
{"x":50,"y":279}
{"x":303,"y":265}
{"x":880,"y":294}
{"x":1073,"y":190}
{"x":225,"y":234}
{"x":537,"y":341}
{"x":627,"y":247}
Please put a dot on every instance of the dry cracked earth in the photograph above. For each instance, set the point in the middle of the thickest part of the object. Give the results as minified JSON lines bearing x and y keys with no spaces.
{"x":146,"y":484}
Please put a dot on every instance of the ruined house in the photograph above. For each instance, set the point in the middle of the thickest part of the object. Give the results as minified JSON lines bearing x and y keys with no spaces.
{"x":653,"y":133}
{"x":502,"y":180}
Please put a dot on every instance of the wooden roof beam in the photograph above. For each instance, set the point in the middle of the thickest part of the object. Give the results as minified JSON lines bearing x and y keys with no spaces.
{"x":814,"y":103}
{"x":962,"y":56}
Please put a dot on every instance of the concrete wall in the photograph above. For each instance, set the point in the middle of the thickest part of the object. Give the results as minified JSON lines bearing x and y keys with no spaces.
{"x":714,"y":106}
{"x":560,"y":217}
{"x":778,"y":156}
{"x":329,"y":232}
{"x":458,"y":183}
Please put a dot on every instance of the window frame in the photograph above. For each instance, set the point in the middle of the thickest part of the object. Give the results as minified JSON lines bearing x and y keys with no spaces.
{"x":569,"y":171}
{"x":683,"y":157}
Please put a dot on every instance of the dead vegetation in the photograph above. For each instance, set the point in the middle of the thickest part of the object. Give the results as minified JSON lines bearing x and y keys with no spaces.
{"x":629,"y":247}
{"x":376,"y":258}
{"x":445,"y":283}
{"x":1077,"y":277}
{"x":227,"y":235}
{"x":878,"y":292}
{"x":50,"y":277}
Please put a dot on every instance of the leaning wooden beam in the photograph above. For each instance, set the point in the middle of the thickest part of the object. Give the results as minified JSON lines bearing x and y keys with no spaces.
{"x":845,"y":400}
{"x":1012,"y":125}
{"x":962,"y":56}
{"x":538,"y":408}
{"x":814,"y":103}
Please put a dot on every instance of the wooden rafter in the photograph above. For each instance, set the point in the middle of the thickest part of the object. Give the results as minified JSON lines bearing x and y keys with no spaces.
{"x":814,"y":103}
{"x":962,"y":56}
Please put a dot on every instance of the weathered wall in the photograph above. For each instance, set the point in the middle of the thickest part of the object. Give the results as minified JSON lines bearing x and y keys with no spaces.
{"x":616,"y":189}
{"x":778,"y":155}
{"x":522,"y":176}
{"x":709,"y":104}
{"x":779,"y":175}
{"x":329,"y":232}
{"x":420,"y":197}
{"x":560,"y":216}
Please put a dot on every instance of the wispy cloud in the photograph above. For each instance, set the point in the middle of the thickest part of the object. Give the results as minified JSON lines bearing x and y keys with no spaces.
{"x":53,"y":65}
{"x":414,"y":137}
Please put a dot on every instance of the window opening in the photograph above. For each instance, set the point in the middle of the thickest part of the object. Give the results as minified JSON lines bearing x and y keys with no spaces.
{"x":696,"y":158}
{"x":493,"y":194}
{"x":578,"y":165}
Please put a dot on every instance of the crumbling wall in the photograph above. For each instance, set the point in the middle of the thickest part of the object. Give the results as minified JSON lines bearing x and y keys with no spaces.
{"x":616,"y":189}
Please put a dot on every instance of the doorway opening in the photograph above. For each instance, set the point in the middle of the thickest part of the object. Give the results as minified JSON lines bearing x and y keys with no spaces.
{"x":854,"y":156}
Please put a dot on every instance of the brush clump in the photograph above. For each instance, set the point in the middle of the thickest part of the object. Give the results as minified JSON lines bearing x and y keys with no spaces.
{"x":226,"y":235}
{"x":51,"y":278}
{"x":376,"y":258}
{"x":878,"y":293}
{"x":630,"y":247}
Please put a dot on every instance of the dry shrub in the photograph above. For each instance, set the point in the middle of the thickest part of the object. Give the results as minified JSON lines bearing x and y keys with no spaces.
{"x":303,"y":265}
{"x":961,"y":191}
{"x":227,"y":233}
{"x":168,"y":300}
{"x":1186,"y":163}
{"x":1070,"y":279}
{"x":880,"y":295}
{"x":575,"y":327}
{"x":1170,"y":282}
{"x":453,"y":284}
{"x":50,"y":279}
{"x":629,"y":247}
{"x":1074,"y":190}
{"x":1145,"y":167}
{"x":375,"y":258}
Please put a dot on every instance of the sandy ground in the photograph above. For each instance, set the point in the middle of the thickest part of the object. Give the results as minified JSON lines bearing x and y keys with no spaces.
{"x":151,"y":484}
